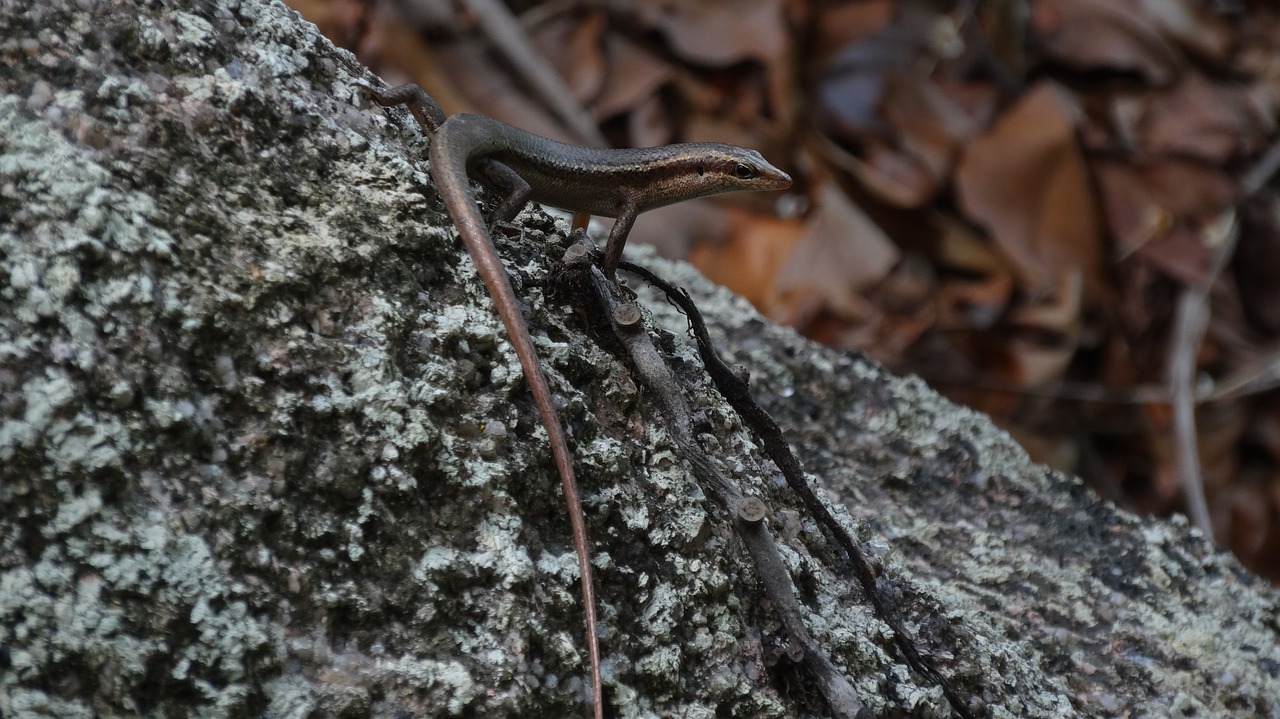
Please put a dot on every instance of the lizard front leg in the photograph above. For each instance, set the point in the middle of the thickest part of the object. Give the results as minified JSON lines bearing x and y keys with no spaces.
{"x":505,"y":182}
{"x":618,"y":239}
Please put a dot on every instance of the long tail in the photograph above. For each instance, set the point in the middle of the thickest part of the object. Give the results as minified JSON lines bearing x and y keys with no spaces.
{"x":453,"y":144}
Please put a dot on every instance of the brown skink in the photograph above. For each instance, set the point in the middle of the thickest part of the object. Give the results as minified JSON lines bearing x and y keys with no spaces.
{"x":610,"y":183}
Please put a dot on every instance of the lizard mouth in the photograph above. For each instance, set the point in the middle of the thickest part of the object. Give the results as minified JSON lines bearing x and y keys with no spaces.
{"x":775,"y":180}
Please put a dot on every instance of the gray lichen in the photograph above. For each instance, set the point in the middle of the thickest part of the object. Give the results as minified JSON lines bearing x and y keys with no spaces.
{"x":265,"y":450}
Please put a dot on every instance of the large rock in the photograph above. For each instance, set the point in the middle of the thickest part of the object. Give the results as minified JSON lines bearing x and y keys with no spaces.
{"x":266,"y":452}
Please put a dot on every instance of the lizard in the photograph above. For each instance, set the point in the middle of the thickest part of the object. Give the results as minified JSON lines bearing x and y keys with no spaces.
{"x":618,"y":183}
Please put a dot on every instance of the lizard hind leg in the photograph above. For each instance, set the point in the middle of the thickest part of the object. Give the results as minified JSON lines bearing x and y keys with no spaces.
{"x":421,"y":105}
{"x":507,"y":184}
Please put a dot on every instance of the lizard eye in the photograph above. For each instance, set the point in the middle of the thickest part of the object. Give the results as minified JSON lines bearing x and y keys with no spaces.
{"x":744,"y":172}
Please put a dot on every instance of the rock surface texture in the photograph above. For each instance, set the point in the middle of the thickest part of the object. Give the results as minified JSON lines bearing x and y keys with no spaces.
{"x":266,"y":453}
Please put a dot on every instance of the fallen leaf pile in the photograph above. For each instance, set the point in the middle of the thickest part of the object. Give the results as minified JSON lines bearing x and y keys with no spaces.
{"x":1060,"y":212}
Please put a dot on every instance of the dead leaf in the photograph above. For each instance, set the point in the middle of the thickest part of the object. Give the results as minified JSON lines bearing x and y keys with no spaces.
{"x":896,"y":313}
{"x":1025,"y":181}
{"x":1155,"y":211}
{"x":634,"y":76}
{"x":1220,"y":427}
{"x":748,"y":255}
{"x":930,"y":126}
{"x":1195,"y":27}
{"x":675,"y":229}
{"x":720,"y":33}
{"x":649,"y":124}
{"x":1179,"y":253}
{"x":897,"y":178}
{"x":1116,"y":35}
{"x":1242,"y":517}
{"x":1194,"y":192}
{"x":1257,"y":264}
{"x":1133,"y":215}
{"x":1045,"y":333}
{"x":1199,"y":119}
{"x":841,"y":253}
{"x":840,"y":25}
{"x":574,"y":44}
{"x":489,"y":90}
{"x":854,"y":78}
{"x":927,"y":128}
{"x":977,"y":284}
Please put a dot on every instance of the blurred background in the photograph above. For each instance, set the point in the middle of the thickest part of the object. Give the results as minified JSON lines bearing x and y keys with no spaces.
{"x":1059,"y":212}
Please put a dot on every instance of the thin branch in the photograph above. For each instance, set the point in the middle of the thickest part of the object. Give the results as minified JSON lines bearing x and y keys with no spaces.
{"x":1262,"y":171}
{"x":754,"y":533}
{"x":1259,"y":376}
{"x":510,"y":39}
{"x":735,"y":391}
{"x":1189,"y":329}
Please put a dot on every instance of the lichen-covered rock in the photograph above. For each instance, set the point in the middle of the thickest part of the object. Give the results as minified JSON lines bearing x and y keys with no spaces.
{"x":266,"y":452}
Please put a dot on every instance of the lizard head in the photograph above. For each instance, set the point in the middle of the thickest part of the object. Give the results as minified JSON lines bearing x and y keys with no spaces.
{"x":674,"y":173}
{"x":727,"y":168}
